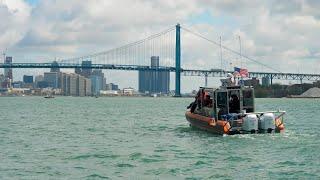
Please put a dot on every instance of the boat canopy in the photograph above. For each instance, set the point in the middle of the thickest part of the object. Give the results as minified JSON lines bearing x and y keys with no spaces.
{"x":234,"y":99}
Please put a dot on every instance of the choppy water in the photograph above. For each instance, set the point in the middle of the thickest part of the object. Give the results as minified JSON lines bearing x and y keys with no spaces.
{"x":148,"y":138}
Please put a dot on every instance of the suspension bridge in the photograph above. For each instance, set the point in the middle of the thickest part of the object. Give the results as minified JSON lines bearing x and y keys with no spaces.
{"x":167,"y":46}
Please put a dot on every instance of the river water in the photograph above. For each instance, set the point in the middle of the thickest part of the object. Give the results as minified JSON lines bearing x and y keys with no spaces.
{"x":149,"y":138}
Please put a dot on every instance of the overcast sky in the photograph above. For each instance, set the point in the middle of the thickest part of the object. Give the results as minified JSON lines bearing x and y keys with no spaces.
{"x":283,"y":34}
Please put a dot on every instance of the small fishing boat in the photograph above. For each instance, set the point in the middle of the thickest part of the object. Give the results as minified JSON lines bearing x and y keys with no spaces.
{"x":230,"y":110}
{"x":49,"y":96}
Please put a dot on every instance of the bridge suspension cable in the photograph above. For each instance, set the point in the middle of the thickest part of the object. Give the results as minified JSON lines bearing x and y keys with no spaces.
{"x":136,"y":53}
{"x":228,"y":49}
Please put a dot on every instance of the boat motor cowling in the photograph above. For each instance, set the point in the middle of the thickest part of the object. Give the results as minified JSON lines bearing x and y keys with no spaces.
{"x":267,"y":121}
{"x":250,"y":123}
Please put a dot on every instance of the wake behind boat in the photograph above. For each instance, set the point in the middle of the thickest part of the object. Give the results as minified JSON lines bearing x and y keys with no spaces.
{"x":230,"y":109}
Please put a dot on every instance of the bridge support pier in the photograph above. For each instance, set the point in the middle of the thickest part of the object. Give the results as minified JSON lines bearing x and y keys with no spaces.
{"x":206,"y":80}
{"x":178,"y":63}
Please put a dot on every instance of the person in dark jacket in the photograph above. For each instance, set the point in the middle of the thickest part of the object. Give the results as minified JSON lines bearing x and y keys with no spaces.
{"x":234,"y":104}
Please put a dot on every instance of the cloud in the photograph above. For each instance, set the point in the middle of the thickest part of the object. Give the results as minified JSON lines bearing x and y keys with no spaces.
{"x":14,"y":18}
{"x":98,"y":24}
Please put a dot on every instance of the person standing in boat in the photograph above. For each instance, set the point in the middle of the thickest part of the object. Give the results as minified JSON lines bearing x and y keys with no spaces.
{"x":231,"y":79}
{"x":234,"y":104}
{"x":195,"y":103}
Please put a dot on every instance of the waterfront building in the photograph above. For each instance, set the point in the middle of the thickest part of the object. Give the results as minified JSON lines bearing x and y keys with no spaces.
{"x":73,"y":85}
{"x":109,"y":93}
{"x":154,"y":81}
{"x":52,"y":78}
{"x":98,"y":81}
{"x":96,"y":84}
{"x":87,"y":87}
{"x":128,"y":91}
{"x":98,"y":72}
{"x":64,"y":83}
{"x":37,"y":79}
{"x":2,"y":81}
{"x":80,"y":85}
{"x":42,"y":84}
{"x":68,"y":86}
{"x":27,"y":79}
{"x":17,"y":84}
{"x":112,"y":86}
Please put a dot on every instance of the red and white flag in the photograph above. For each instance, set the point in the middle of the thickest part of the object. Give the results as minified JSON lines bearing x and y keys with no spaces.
{"x":241,"y":72}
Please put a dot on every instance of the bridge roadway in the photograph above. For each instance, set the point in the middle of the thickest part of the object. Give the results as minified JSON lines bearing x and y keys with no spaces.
{"x":184,"y":72}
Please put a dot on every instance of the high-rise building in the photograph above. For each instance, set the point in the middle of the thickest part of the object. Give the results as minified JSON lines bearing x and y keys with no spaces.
{"x":98,"y":81}
{"x":96,"y":84}
{"x":52,"y":78}
{"x":80,"y":86}
{"x":66,"y":84}
{"x":87,"y":84}
{"x":2,"y":81}
{"x":27,"y":81}
{"x":8,"y":71}
{"x":154,"y":81}
{"x":38,"y":78}
{"x":73,"y":84}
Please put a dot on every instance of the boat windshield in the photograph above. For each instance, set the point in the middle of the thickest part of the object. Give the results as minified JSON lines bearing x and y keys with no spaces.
{"x":248,"y":100}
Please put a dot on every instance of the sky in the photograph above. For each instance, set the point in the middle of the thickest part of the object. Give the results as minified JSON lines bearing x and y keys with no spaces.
{"x":282,"y":34}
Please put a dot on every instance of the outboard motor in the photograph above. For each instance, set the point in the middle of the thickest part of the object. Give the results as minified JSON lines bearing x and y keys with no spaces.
{"x":267,"y":122}
{"x":250,"y":123}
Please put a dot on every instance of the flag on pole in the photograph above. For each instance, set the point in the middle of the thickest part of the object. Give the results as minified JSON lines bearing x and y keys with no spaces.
{"x":241,"y":72}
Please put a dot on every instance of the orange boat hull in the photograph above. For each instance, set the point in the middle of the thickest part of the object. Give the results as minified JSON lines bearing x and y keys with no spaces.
{"x":222,"y":127}
{"x":208,"y":124}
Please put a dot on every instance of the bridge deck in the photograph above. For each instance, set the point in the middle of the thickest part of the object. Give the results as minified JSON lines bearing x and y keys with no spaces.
{"x":184,"y":72}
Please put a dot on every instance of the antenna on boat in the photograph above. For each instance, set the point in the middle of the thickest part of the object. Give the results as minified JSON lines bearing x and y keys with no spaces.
{"x":220,"y":54}
{"x":240,"y":51}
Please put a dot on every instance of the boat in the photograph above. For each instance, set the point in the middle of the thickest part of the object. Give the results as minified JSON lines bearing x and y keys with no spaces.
{"x":49,"y":96}
{"x":230,"y":109}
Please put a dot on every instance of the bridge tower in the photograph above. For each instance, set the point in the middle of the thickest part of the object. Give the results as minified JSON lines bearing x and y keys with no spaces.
{"x":178,"y":62}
